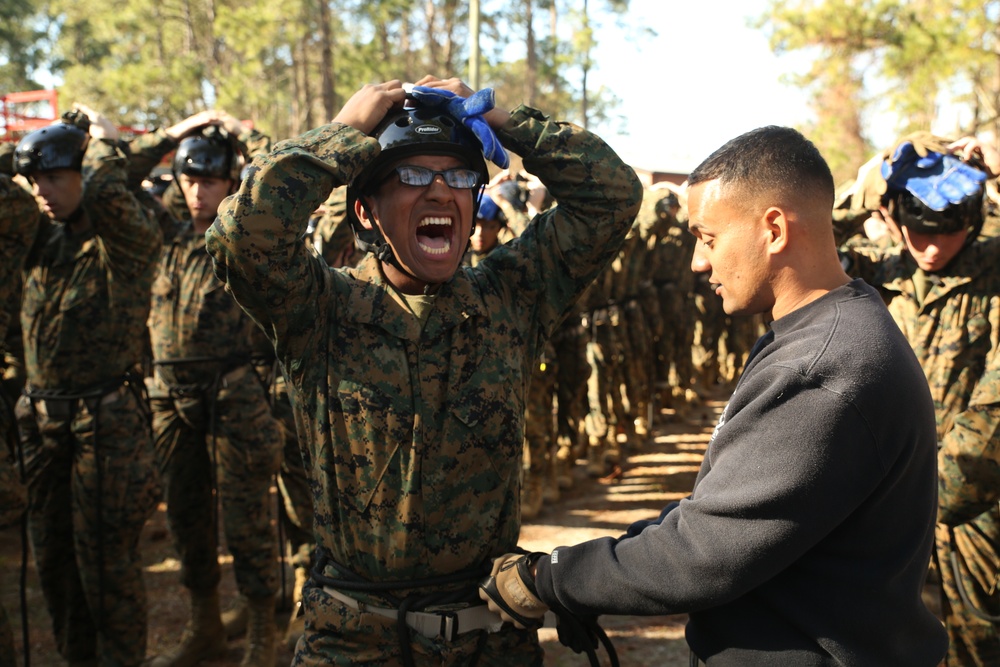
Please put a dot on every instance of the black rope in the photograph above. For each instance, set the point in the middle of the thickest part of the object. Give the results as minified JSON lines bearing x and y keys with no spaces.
{"x":959,"y":579}
{"x":94,"y":405}
{"x":412,"y":602}
{"x":23,"y":579}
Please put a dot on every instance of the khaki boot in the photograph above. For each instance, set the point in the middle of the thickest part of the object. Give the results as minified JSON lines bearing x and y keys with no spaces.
{"x":261,"y":633}
{"x":235,"y":619}
{"x":204,"y":637}
{"x":297,"y":621}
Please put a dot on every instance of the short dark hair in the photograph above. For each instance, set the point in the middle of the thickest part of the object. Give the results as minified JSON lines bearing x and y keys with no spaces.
{"x":769,"y":159}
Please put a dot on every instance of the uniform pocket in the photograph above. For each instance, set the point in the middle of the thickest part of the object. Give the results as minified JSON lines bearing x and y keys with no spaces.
{"x":375,"y":432}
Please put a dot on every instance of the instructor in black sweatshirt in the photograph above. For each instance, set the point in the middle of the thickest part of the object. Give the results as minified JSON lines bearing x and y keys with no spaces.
{"x":808,"y":533}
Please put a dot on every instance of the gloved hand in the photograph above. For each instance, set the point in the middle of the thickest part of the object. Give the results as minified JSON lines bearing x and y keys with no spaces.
{"x":936,"y":179}
{"x":510,"y":590}
{"x":468,"y":110}
{"x":76,"y":117}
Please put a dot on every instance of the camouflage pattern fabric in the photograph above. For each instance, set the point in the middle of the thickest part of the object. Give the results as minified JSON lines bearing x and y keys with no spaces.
{"x":333,"y":236}
{"x":413,"y":435}
{"x":337,"y":635}
{"x":83,"y":518}
{"x":86,"y":296}
{"x":955,"y":334}
{"x":572,"y":373}
{"x":85,"y":302}
{"x":18,"y":224}
{"x":539,"y":429}
{"x":212,"y":422}
{"x":674,"y":281}
{"x":293,"y":480}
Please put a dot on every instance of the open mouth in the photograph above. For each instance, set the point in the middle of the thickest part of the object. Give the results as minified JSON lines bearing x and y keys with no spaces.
{"x":434,"y":235}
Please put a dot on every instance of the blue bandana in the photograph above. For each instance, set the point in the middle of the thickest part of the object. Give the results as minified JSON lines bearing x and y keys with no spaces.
{"x":468,"y":110}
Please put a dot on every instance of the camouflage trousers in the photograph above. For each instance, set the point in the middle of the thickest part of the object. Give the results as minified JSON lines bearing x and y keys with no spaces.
{"x":608,"y":409}
{"x":971,"y":640}
{"x":231,"y":444}
{"x":539,"y":431}
{"x":89,"y":497}
{"x":338,"y":635}
{"x":13,"y":501}
{"x":572,"y":373}
{"x":673,"y":347}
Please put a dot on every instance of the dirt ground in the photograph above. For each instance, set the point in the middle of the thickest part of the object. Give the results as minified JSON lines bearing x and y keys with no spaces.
{"x":664,"y":471}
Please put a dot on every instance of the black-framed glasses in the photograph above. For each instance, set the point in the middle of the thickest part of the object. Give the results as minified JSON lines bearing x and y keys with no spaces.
{"x":462,"y":179}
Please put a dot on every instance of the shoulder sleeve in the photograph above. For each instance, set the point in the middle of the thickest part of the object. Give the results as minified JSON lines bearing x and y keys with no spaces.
{"x":18,"y":224}
{"x":597,"y":197}
{"x":129,"y":237}
{"x":144,"y":153}
{"x":257,"y":241}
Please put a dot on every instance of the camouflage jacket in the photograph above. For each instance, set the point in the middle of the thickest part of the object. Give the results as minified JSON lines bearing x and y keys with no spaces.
{"x":192,"y":316}
{"x":86,"y":295}
{"x":413,"y":436}
{"x":18,"y":225}
{"x":955,"y":334}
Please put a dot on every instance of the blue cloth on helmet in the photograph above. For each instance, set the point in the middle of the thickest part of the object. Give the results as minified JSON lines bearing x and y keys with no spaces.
{"x":468,"y":110}
{"x":938,"y":180}
{"x":488,"y":208}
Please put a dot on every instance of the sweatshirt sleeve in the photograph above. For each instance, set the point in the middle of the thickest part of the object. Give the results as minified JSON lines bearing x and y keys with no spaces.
{"x":758,"y":505}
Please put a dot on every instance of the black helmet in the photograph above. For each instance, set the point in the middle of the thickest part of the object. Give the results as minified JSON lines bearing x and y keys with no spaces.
{"x":57,"y":146}
{"x":664,"y":204}
{"x":211,"y":154}
{"x":910,"y":212}
{"x":406,"y":132}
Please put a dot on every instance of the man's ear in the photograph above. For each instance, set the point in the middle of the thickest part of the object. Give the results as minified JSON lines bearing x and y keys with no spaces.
{"x":776,"y":224}
{"x":362,"y":214}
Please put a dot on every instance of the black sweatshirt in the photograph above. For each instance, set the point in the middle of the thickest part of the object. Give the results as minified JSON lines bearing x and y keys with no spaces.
{"x":807,"y":536}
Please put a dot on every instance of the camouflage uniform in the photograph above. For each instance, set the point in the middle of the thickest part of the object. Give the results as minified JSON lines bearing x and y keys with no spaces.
{"x":332,"y":237}
{"x":413,"y":434}
{"x":18,"y":224}
{"x":85,"y":432}
{"x":625,"y":319}
{"x":212,"y":422}
{"x":674,"y":281}
{"x":572,"y":374}
{"x":604,"y":400}
{"x":955,"y":332}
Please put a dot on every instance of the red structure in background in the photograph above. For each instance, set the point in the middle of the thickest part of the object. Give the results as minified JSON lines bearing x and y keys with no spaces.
{"x":29,"y":110}
{"x":25,"y":111}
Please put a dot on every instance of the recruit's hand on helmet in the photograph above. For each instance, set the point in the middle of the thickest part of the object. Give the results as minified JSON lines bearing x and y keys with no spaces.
{"x":100,"y":126}
{"x":367,"y":107}
{"x":510,"y":590}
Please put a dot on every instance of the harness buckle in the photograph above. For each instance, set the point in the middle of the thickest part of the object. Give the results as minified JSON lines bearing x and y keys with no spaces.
{"x":449,"y":625}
